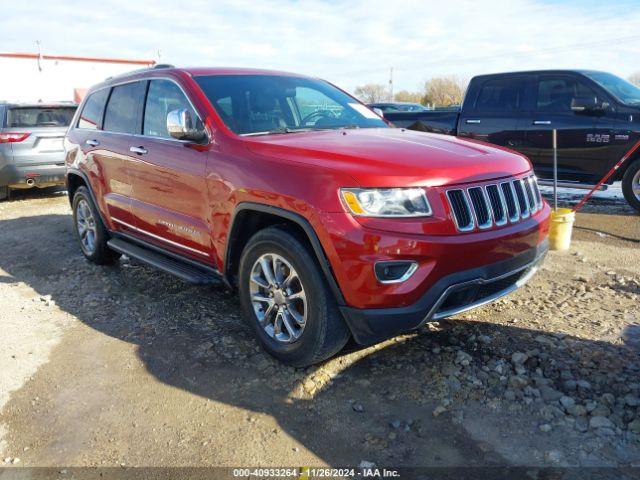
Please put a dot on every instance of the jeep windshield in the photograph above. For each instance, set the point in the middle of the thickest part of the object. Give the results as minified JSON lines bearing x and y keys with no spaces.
{"x":624,"y":91}
{"x":275,"y":104}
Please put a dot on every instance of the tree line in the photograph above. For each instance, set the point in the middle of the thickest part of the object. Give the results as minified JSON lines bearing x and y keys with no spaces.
{"x":435,"y":92}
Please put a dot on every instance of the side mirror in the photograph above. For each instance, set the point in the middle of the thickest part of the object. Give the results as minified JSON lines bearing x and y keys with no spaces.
{"x":588,"y":105}
{"x":182,"y":126}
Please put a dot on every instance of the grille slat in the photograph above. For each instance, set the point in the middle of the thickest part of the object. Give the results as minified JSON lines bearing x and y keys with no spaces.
{"x":480,"y":207}
{"x":533,"y":204}
{"x":522,"y":198}
{"x":495,"y":204}
{"x":510,"y":198}
{"x":461,"y":210}
{"x":536,"y":191}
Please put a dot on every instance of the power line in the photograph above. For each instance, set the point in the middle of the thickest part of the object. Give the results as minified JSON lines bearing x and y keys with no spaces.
{"x":457,"y":61}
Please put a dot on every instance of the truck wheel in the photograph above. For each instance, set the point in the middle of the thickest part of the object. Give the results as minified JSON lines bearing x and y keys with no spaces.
{"x":91,"y":233}
{"x":631,"y":185}
{"x":4,"y":193}
{"x":285,"y":298}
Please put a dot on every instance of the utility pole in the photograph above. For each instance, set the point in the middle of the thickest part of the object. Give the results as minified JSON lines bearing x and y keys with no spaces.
{"x":391,"y":85}
{"x":39,"y":56}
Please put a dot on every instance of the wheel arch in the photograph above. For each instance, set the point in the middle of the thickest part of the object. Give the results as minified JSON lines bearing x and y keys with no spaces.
{"x":77,"y":179}
{"x":249,"y":217}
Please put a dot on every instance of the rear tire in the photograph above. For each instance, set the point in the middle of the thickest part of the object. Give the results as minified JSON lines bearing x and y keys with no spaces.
{"x":4,"y":193}
{"x":298,"y":296}
{"x":90,"y":231}
{"x":631,"y":185}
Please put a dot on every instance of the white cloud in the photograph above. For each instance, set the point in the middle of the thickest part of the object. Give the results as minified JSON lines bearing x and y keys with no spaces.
{"x":348,"y":43}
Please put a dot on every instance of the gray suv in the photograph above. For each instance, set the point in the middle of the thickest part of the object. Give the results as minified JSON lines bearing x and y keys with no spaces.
{"x":31,"y":144}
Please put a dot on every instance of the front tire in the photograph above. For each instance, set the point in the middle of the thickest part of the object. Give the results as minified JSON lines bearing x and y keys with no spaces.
{"x":286,"y":300}
{"x":631,"y":185}
{"x":90,"y":231}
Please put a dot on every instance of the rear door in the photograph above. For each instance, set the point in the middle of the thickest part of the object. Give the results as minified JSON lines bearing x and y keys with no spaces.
{"x":583,"y":139}
{"x":43,"y":128}
{"x":170,"y":201}
{"x":493,"y":112}
{"x":108,"y":149}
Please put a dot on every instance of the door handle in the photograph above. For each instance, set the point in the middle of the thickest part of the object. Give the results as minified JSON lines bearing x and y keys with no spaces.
{"x":542,"y":122}
{"x":138,"y":150}
{"x":474,"y":121}
{"x":92,"y":143}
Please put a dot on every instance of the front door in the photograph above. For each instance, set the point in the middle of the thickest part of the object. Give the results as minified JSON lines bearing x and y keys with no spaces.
{"x":494,"y":115}
{"x":584,"y":139}
{"x":170,"y":192}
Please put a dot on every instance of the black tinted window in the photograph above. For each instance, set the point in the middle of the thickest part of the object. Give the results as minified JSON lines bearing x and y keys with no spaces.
{"x":91,"y":114}
{"x":501,"y":95}
{"x":123,"y":107}
{"x":39,"y":117}
{"x":163,"y":96}
{"x":555,"y":94}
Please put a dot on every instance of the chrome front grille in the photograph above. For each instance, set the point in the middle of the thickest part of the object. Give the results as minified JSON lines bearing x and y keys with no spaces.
{"x":483,"y":207}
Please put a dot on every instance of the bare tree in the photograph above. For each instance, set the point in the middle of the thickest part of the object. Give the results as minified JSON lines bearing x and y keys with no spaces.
{"x":444,"y":91}
{"x":371,"y":93}
{"x":635,"y":78}
{"x":407,"y":96}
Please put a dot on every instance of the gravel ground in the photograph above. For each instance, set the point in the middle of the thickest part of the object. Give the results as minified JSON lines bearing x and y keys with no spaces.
{"x":128,"y":366}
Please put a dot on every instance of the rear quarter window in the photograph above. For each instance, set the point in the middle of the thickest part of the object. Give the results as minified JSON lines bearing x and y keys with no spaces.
{"x":39,"y":117}
{"x":91,"y":114}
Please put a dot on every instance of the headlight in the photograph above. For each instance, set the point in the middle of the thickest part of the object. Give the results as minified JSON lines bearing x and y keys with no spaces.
{"x":386,"y":202}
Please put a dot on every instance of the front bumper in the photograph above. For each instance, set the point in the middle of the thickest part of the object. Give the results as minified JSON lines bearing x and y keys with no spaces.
{"x":452,"y":294}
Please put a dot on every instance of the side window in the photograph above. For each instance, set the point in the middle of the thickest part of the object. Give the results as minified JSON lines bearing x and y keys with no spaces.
{"x":91,"y":114}
{"x":501,"y":95}
{"x":555,"y":94}
{"x":123,"y":107}
{"x":163,"y":96}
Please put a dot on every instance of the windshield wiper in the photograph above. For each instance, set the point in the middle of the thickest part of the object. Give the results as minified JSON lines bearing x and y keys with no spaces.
{"x":277,"y":131}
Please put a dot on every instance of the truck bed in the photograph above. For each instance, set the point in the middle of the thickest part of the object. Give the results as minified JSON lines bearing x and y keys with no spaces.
{"x":445,"y":121}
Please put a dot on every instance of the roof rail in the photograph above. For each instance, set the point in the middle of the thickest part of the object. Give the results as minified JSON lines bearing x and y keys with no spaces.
{"x":163,"y":65}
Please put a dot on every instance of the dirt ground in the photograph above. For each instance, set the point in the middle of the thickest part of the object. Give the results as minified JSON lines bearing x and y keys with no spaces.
{"x":124,"y":365}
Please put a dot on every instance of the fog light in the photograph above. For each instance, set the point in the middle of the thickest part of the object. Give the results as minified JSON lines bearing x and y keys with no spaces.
{"x":394,"y":271}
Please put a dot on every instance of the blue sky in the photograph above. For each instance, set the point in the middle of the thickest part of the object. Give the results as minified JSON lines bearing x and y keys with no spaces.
{"x":346,"y":42}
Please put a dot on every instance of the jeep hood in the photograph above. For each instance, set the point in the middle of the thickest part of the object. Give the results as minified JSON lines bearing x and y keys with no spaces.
{"x":385,"y":157}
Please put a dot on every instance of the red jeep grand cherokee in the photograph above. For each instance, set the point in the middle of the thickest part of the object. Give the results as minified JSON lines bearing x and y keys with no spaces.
{"x":330,"y":223}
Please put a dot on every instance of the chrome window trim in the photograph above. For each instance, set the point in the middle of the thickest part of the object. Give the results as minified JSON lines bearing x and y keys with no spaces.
{"x":144,"y":79}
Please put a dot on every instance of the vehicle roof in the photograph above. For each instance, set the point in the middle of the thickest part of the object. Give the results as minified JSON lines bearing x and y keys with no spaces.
{"x":194,"y":72}
{"x":539,"y":72}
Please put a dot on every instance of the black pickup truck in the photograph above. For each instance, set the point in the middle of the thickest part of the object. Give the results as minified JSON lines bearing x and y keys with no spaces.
{"x":597,"y":116}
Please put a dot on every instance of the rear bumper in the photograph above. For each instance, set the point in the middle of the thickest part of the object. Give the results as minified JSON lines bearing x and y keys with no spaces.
{"x":40,"y":175}
{"x":450,"y":295}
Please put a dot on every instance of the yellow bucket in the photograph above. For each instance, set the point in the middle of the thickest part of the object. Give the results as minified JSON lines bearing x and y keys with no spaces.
{"x":560,"y":229}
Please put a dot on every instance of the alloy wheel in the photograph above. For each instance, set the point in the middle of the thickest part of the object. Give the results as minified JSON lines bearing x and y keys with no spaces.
{"x":278,"y":298}
{"x":86,"y":226}
{"x":635,"y":185}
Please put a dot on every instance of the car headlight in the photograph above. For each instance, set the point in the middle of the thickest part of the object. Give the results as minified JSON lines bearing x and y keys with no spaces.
{"x":386,"y":202}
